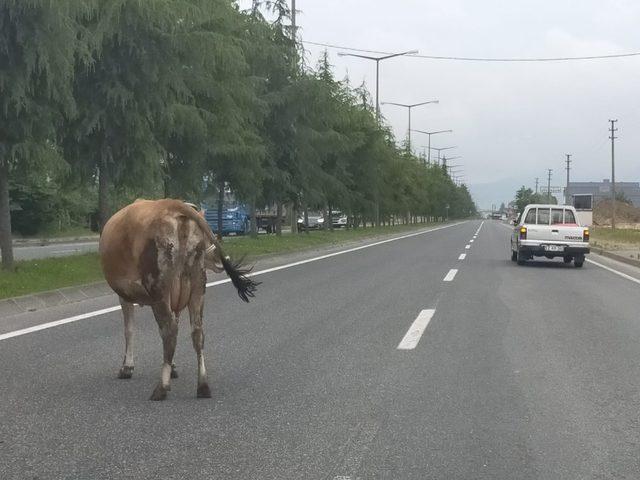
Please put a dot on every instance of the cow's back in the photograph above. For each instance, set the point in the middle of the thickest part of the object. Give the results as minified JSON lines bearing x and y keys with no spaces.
{"x":151,"y":252}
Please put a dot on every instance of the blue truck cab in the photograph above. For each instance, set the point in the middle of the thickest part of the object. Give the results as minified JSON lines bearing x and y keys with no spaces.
{"x":235,"y":220}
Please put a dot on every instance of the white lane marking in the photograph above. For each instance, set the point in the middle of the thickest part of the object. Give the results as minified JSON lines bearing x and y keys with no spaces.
{"x":450,"y":276}
{"x":334,"y":254}
{"x":462,"y":256}
{"x":471,"y":241}
{"x":467,"y":246}
{"x":44,"y":326}
{"x":623,"y":275}
{"x":413,"y":335}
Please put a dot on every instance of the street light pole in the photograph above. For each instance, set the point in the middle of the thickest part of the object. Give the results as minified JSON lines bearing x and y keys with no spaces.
{"x":549,"y":185}
{"x":377,"y":60}
{"x":429,"y":134}
{"x":440,"y":149}
{"x":409,"y":107}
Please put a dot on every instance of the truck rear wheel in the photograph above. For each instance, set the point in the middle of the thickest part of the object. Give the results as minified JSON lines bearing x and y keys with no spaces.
{"x":578,"y":261}
{"x":520,"y":257}
{"x":514,"y":256}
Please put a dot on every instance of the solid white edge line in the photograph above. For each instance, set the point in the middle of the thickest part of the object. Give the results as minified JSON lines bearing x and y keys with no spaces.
{"x":462,"y":256}
{"x":96,"y":313}
{"x":612,"y":270}
{"x":341,"y":252}
{"x":44,"y":326}
{"x":414,"y":334}
{"x":451,"y":275}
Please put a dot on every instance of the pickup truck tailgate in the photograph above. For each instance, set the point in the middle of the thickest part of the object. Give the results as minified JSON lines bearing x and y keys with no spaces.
{"x":555,"y":233}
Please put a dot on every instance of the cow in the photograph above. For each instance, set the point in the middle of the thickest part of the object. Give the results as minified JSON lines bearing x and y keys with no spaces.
{"x":156,"y":253}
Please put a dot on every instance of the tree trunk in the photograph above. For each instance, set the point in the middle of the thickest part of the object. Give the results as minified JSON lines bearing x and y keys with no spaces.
{"x":329,"y":219}
{"x":278,"y":218}
{"x":294,"y":217}
{"x":254,"y":222}
{"x":6,"y":243}
{"x":103,"y":194}
{"x":306,"y":220}
{"x":220,"y":205}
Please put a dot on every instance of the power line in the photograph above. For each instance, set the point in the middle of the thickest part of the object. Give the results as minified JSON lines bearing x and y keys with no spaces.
{"x":482,"y":59}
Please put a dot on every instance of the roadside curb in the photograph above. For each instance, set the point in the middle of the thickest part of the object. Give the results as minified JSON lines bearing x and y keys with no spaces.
{"x":62,"y":296}
{"x":615,"y":256}
{"x":53,"y":298}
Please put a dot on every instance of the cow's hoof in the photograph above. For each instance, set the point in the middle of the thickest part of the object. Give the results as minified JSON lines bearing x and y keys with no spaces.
{"x":174,"y":372}
{"x":159,"y":393}
{"x":203,"y":391}
{"x":125,"y":372}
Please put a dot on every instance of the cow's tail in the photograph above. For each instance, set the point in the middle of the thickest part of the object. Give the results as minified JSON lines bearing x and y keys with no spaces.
{"x":238,"y":274}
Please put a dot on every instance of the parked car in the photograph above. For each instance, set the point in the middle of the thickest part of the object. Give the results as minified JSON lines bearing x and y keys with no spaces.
{"x":316,"y":221}
{"x":549,"y":231}
{"x":338,"y":220}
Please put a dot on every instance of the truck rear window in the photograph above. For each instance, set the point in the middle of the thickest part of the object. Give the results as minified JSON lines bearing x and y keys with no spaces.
{"x":556,"y":216}
{"x":531,"y":217}
{"x":543,"y":216}
{"x":569,"y":217}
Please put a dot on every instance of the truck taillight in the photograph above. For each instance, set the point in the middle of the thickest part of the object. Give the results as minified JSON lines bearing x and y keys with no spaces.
{"x":585,"y":235}
{"x":523,"y":233}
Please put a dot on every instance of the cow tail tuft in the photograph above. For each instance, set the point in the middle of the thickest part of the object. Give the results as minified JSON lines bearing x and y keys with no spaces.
{"x":239,"y":277}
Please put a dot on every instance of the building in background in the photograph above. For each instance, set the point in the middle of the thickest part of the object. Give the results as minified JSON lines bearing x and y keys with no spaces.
{"x":602,"y":190}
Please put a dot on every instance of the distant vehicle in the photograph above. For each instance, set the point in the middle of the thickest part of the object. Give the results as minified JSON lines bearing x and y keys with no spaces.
{"x":583,"y":204}
{"x":316,"y":221}
{"x":549,"y":231}
{"x":235,"y":220}
{"x":338,"y":219}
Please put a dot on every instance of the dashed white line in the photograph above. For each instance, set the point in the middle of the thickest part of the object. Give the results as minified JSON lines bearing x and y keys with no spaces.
{"x":451,"y":275}
{"x":467,"y":246}
{"x":413,"y":335}
{"x":96,"y":313}
{"x":462,"y":256}
{"x":471,"y":241}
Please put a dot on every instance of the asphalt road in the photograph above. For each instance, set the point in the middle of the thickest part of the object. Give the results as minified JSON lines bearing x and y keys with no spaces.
{"x":30,"y":252}
{"x":526,"y":372}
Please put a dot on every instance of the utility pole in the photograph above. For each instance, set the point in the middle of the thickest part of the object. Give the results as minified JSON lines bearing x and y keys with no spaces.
{"x":549,"y":186}
{"x":537,"y":182}
{"x":613,"y":131}
{"x":566,"y":190}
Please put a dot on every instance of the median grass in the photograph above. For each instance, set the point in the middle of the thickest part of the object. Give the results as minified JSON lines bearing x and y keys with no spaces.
{"x":34,"y":276}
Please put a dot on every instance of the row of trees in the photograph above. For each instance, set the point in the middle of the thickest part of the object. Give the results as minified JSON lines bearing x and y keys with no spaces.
{"x":102,"y":101}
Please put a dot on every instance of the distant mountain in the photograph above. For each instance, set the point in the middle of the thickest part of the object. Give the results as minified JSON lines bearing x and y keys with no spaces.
{"x":494,"y":193}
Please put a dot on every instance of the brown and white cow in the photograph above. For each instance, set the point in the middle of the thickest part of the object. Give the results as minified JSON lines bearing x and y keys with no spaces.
{"x":156,"y":253}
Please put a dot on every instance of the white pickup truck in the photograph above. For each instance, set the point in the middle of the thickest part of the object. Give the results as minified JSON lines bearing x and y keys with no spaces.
{"x":549,"y":231}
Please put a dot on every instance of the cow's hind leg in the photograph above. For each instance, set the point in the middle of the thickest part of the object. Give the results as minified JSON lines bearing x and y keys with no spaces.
{"x":168,"y":326}
{"x":126,"y":371}
{"x":196,"y":306}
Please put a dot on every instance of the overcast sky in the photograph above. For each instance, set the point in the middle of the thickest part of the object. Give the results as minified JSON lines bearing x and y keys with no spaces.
{"x":511,"y":121}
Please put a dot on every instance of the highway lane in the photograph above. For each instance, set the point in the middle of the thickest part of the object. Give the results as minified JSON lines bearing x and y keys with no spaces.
{"x":522,"y":372}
